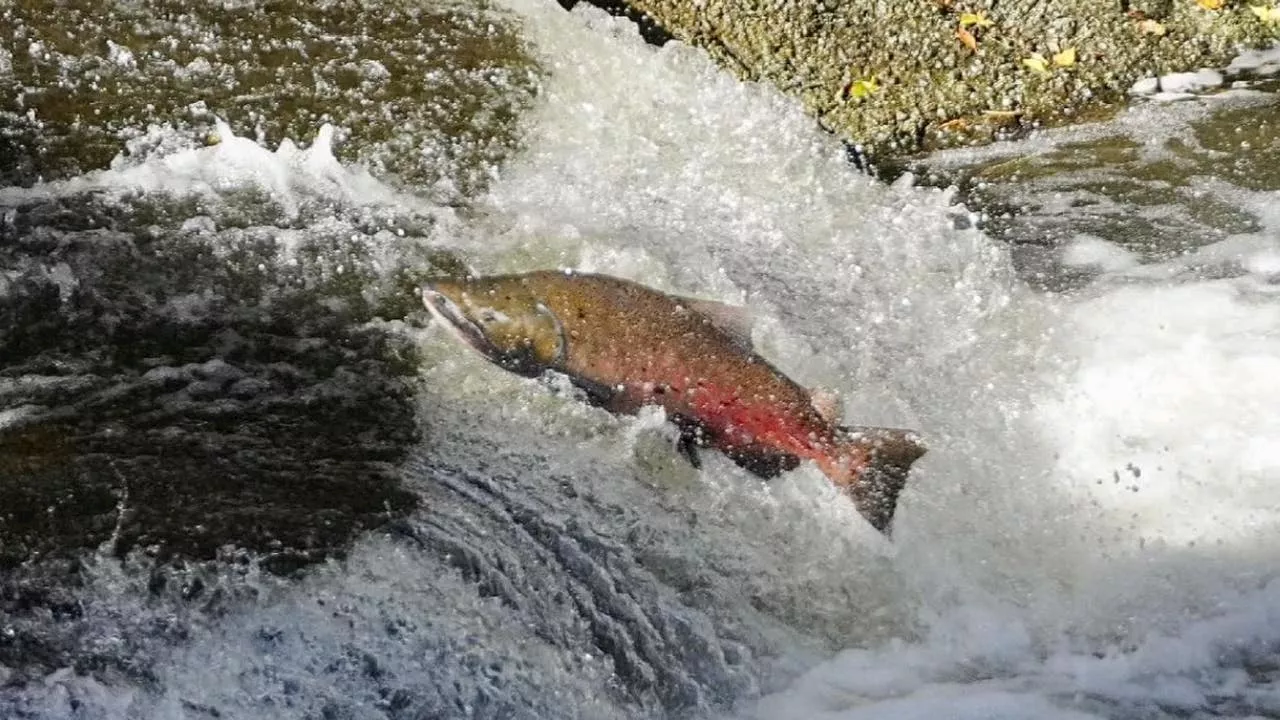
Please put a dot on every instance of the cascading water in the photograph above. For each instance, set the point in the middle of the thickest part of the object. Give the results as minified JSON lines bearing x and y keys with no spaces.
{"x":1093,"y":533}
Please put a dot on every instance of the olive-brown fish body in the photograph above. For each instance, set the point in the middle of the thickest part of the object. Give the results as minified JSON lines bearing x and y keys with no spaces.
{"x":648,"y":348}
{"x":629,"y":346}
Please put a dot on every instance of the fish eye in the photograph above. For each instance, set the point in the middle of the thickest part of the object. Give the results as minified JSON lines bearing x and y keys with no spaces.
{"x":489,"y":315}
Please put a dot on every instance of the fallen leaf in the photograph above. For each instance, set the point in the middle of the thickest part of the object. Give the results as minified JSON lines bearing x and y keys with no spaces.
{"x":967,"y":19}
{"x":967,"y":38}
{"x":1151,"y":27}
{"x":1066,"y":58}
{"x":860,"y":89}
{"x":1038,"y":63}
{"x":1211,"y":4}
{"x":958,"y":125}
{"x":1266,"y":14}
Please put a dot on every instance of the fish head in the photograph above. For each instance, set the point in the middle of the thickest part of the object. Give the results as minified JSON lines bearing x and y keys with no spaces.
{"x":500,"y":317}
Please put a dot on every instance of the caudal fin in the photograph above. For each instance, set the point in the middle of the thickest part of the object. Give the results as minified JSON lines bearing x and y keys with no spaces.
{"x":875,"y":470}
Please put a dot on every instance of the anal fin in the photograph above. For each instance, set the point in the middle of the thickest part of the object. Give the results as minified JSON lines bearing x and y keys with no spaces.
{"x":762,"y":461}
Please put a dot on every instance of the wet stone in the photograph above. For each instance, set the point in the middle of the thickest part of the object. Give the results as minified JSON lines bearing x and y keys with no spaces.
{"x":1148,"y":196}
{"x":268,"y":422}
{"x":427,"y":92}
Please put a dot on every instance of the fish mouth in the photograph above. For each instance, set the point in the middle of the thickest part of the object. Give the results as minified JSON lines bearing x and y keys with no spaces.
{"x":452,"y":316}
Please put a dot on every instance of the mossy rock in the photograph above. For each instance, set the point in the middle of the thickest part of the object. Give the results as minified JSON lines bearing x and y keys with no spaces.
{"x":426,"y":92}
{"x":898,"y":77}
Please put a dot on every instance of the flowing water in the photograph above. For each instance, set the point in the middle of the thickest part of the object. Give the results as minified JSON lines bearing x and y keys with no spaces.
{"x":1094,"y":533}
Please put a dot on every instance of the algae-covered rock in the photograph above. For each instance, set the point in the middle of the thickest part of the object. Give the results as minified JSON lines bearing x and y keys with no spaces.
{"x":1180,"y":188}
{"x":201,"y":354}
{"x":184,"y":376}
{"x":428,"y":92}
{"x":116,"y":302}
{"x":918,"y":74}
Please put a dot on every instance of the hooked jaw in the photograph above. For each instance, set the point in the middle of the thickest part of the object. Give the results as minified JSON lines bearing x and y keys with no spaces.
{"x":453,"y":317}
{"x":520,"y":334}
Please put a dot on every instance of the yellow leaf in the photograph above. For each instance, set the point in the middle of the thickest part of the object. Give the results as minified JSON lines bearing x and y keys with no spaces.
{"x":1151,"y":27}
{"x":967,"y":19}
{"x":967,"y":38}
{"x":1066,"y":58}
{"x":1038,"y":63}
{"x":1266,"y":14}
{"x":860,"y":89}
{"x":1211,"y":4}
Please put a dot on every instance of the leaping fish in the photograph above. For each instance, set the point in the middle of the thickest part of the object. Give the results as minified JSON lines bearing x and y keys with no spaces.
{"x":627,"y":346}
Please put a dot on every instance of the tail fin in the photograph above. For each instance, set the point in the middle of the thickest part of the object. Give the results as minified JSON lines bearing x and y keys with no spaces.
{"x":874,"y":470}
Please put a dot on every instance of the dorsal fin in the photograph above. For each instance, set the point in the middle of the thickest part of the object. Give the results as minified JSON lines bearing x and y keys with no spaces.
{"x":827,"y":403}
{"x":733,"y":320}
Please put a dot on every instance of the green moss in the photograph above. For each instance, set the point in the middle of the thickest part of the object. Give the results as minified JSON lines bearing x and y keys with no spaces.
{"x":428,"y":93}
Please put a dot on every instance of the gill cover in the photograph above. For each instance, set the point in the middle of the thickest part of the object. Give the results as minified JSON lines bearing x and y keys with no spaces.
{"x":503,"y":321}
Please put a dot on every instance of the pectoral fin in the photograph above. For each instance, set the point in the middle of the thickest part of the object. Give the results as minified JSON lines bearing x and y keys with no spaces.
{"x":687,"y":446}
{"x":692,"y":437}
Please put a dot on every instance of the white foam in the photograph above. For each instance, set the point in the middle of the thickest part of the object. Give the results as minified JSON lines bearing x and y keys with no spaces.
{"x":1258,"y":62}
{"x":288,"y":174}
{"x":1094,"y":252}
{"x":120,"y":55}
{"x":1179,"y":674}
{"x":1152,"y":359}
{"x":1188,"y":82}
{"x":65,"y":693}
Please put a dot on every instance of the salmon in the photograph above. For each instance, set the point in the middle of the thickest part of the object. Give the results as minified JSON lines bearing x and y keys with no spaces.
{"x":628,"y":346}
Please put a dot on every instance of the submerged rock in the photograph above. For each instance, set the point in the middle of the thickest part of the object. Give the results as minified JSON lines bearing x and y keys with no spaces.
{"x":173,"y":390}
{"x":1161,"y":185}
{"x":197,"y":364}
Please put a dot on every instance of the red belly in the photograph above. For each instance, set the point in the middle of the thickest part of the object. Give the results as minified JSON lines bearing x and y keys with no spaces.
{"x":732,"y":421}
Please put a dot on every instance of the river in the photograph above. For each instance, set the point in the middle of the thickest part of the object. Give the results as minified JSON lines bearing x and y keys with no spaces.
{"x":1093,"y":534}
